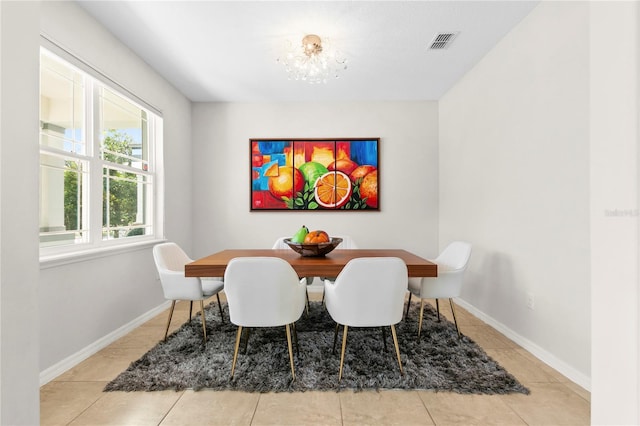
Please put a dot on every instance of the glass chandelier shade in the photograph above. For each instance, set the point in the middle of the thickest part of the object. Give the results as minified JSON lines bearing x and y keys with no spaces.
{"x":311,"y":61}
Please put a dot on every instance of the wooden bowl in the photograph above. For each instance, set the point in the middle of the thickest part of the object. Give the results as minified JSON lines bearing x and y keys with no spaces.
{"x":313,"y":250}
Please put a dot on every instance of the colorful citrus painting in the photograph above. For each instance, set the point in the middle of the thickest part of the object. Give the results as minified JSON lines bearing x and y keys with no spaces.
{"x":314,"y":174}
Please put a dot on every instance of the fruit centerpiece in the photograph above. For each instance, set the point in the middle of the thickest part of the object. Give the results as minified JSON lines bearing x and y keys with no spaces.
{"x":314,"y":243}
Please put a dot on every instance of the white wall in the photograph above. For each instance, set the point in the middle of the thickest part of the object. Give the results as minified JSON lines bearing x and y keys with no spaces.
{"x":408,"y":134}
{"x":615,"y":75}
{"x":514,"y":181}
{"x":19,"y":396}
{"x":83,"y":302}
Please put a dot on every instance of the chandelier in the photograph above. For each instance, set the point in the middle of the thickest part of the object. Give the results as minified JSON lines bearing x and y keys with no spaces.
{"x":312,"y":62}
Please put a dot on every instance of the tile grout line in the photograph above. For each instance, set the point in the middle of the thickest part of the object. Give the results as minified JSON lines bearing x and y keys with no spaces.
{"x":86,"y":408}
{"x":255,"y":410}
{"x":171,"y":408}
{"x":424,"y":404}
{"x":506,"y":402}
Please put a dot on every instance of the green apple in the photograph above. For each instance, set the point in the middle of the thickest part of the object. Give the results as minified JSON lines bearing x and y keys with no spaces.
{"x":312,"y":171}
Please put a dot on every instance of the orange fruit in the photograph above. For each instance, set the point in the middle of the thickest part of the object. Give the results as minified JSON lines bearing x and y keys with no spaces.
{"x":333,"y":190}
{"x":369,"y":189}
{"x":343,"y":165}
{"x":361,"y":171}
{"x":315,"y":237}
{"x":288,"y":182}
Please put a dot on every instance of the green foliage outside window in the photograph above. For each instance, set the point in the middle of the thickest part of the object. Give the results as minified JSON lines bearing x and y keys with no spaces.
{"x":71,"y":184}
{"x":119,"y":192}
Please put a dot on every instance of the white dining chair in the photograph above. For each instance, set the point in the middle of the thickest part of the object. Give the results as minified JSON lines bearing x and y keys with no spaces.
{"x":263,"y":292}
{"x":368,"y":292}
{"x":452,"y":263}
{"x":170,"y":260}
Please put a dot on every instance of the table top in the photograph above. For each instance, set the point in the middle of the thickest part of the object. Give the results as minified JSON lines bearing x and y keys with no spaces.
{"x":325,"y":266}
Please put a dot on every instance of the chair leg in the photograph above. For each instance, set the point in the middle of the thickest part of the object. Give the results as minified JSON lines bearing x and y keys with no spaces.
{"x":307,"y":305}
{"x":395,"y":342}
{"x":295,"y":337}
{"x":220,"y":307}
{"x":235,"y":352}
{"x":408,"y":304}
{"x":293,"y":370}
{"x":421,"y":315}
{"x":246,"y":340}
{"x":166,"y":331}
{"x":335,"y":339}
{"x":344,"y":346}
{"x":204,"y":324}
{"x":455,"y":321}
{"x":384,"y":337}
{"x":438,"y":309}
{"x":190,"y":309}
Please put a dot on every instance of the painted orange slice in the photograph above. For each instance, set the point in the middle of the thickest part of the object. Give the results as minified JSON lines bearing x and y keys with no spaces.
{"x":333,"y":190}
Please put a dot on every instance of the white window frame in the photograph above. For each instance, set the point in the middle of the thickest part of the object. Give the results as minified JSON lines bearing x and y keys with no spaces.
{"x":95,"y":245}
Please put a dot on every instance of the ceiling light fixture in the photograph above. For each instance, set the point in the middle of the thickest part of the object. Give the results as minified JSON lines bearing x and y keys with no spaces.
{"x":311,"y":61}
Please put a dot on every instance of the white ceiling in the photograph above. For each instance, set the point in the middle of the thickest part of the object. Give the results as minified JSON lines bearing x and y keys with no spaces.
{"x":226,"y":51}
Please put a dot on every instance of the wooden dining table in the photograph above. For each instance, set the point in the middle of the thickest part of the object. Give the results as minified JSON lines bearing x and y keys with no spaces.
{"x":329,"y":265}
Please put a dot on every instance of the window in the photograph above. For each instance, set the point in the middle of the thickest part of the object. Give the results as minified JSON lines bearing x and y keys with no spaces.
{"x":97,"y":168}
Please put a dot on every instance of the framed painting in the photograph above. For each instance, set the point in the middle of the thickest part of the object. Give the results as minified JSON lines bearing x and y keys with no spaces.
{"x":315,"y":174}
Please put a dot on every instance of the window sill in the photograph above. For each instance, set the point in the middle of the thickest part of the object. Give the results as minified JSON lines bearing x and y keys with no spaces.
{"x":56,"y":260}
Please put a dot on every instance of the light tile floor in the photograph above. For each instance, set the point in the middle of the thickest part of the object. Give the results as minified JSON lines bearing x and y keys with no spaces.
{"x":76,"y":397}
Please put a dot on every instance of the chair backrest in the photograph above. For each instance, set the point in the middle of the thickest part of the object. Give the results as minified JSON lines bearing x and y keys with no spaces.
{"x":280,"y":244}
{"x":170,"y":260}
{"x":368,"y":292}
{"x":170,"y":257}
{"x":455,"y":256}
{"x":452,"y":263}
{"x":263,"y":292}
{"x":347,"y":243}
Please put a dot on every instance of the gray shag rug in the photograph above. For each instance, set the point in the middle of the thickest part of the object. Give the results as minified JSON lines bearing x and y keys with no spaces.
{"x":440,"y":361}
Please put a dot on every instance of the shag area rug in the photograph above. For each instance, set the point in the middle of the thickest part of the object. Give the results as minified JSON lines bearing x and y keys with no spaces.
{"x":440,"y":361}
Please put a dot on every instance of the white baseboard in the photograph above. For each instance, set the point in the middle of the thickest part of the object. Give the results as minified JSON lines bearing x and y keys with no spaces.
{"x":71,"y":361}
{"x":544,"y":356}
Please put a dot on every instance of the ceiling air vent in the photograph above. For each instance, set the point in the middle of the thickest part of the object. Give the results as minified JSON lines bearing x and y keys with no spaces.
{"x":442,"y":41}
